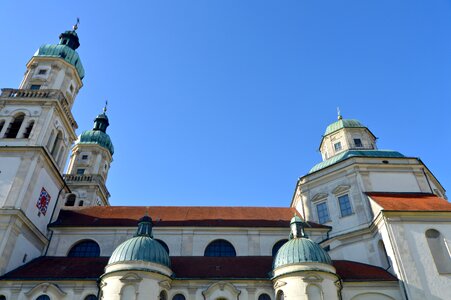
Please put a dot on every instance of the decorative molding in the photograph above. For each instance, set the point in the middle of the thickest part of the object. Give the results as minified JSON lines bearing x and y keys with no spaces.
{"x":221,"y":285}
{"x":44,"y":287}
{"x":165,"y":284}
{"x":279,"y":284}
{"x":318,"y":197}
{"x":311,"y":278}
{"x":341,"y":189}
{"x":131,"y":278}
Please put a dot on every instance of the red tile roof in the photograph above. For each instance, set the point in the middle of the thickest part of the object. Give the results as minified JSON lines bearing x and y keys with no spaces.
{"x":355,"y":271}
{"x":51,"y":267}
{"x":410,"y":202}
{"x":184,"y":267}
{"x":179,"y":216}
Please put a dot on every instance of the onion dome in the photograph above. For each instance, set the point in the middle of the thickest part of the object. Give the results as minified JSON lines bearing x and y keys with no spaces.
{"x":97,"y":135}
{"x":142,"y":247}
{"x":68,"y":43}
{"x":300,"y":249}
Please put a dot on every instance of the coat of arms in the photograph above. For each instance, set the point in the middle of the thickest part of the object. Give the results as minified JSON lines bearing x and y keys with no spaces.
{"x":43,"y":201}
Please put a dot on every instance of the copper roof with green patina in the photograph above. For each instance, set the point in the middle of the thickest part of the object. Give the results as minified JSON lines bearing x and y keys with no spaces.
{"x":97,"y":137}
{"x":62,"y":51}
{"x":343,"y":123}
{"x":299,"y":250}
{"x":142,"y":247}
{"x":355,"y":153}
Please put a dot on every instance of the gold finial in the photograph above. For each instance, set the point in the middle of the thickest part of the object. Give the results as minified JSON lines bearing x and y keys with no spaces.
{"x":147,"y":211}
{"x":339,"y":113}
{"x":75,"y":27}
{"x":105,"y":107}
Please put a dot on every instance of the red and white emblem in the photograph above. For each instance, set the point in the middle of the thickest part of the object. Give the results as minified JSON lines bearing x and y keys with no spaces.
{"x":43,"y":201}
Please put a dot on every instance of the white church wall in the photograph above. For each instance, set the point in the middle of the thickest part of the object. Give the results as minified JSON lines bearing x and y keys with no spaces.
{"x":24,"y":251}
{"x":8,"y":167}
{"x":371,"y":291}
{"x":394,"y":182}
{"x":43,"y":180}
{"x":181,"y":241}
{"x":415,"y":262}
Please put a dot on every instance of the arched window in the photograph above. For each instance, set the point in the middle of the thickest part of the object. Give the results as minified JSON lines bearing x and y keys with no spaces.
{"x":56,"y":143}
{"x":385,"y":261}
{"x":163,"y":296}
{"x":220,"y":248}
{"x":264,"y":297}
{"x":128,"y":292}
{"x":277,"y":246}
{"x":164,"y":245}
{"x":280,"y":295}
{"x":314,"y":292}
{"x":91,"y":297}
{"x":85,"y":249}
{"x":70,"y":200}
{"x":50,"y":140}
{"x":26,"y":133}
{"x":14,"y":126}
{"x":179,"y":297}
{"x":439,"y":251}
{"x":43,"y":297}
{"x":60,"y":154}
{"x":2,"y":123}
{"x":2,"y":297}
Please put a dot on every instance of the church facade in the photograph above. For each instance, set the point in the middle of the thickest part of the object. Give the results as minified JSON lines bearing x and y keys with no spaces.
{"x":364,"y":223}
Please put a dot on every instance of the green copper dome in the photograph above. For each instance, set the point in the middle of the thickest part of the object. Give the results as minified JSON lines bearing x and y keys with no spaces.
{"x":142,"y":247}
{"x":65,"y":49}
{"x":98,"y":134}
{"x":96,"y":137}
{"x":64,"y":52}
{"x":343,"y":123}
{"x":299,"y":248}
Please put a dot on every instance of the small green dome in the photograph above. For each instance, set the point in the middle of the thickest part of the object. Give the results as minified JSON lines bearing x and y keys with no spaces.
{"x":96,"y":137}
{"x":343,"y":123}
{"x":299,"y":250}
{"x":64,"y":52}
{"x":142,"y":247}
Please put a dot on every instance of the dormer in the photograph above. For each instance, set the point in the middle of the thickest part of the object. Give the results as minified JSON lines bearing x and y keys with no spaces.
{"x":346,"y":134}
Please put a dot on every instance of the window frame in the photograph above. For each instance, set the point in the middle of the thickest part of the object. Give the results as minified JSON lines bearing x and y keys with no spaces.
{"x":349,"y":202}
{"x":218,"y":243}
{"x":318,"y":213}
{"x":72,"y":252}
{"x":337,"y":146}
{"x":355,"y":143}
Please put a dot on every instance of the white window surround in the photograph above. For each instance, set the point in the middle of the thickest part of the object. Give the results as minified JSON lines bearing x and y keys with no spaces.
{"x":318,"y":215}
{"x":39,"y":70}
{"x":350,"y":204}
{"x":319,"y":197}
{"x":341,"y":189}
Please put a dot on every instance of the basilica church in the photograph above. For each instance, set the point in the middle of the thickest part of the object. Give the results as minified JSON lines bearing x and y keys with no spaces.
{"x":364,"y":223}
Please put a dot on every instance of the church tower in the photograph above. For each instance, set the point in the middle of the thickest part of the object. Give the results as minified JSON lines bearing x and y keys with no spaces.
{"x":89,"y":164}
{"x":37,"y":129}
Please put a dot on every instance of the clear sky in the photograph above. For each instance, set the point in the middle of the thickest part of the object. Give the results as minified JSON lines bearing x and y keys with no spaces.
{"x":224,"y":102}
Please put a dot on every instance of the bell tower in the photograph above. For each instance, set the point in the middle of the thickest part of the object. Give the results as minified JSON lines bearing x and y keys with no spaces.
{"x":37,"y":129}
{"x":89,"y":164}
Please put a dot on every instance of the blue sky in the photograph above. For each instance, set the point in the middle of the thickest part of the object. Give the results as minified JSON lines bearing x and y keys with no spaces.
{"x":225,"y":102}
